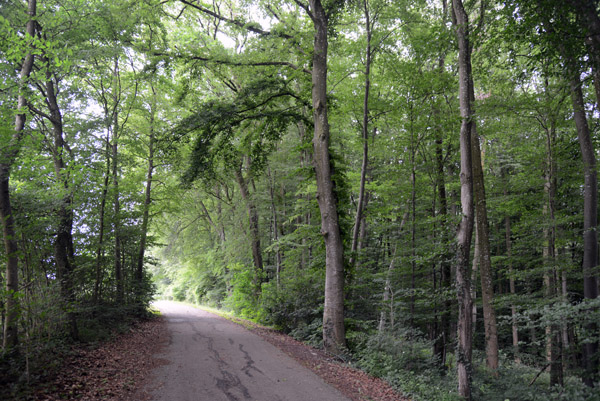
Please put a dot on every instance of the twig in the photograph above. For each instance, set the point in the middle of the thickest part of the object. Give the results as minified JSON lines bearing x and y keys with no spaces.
{"x":540,"y":372}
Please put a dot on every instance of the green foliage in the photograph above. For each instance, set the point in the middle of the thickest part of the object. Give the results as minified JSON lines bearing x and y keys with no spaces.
{"x":294,"y":302}
{"x":242,"y":299}
{"x":406,"y":364}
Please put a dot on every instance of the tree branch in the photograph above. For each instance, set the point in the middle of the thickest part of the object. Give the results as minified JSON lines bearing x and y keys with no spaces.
{"x":238,"y":64}
{"x":247,"y":26}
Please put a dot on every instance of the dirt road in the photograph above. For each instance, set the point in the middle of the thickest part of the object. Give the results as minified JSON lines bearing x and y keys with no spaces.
{"x":212,"y":359}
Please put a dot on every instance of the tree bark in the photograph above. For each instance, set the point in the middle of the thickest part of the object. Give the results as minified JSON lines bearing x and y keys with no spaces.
{"x":334,"y":337}
{"x":254,"y":230}
{"x":512,"y":284}
{"x":278,"y":259}
{"x":483,"y":241}
{"x":139,"y":272}
{"x":587,"y":13}
{"x":365,"y":141}
{"x":387,"y":291}
{"x":64,"y":252}
{"x":465,"y":229}
{"x":553,"y":352}
{"x":9,"y":154}
{"x":590,"y":222}
{"x":101,"y":213}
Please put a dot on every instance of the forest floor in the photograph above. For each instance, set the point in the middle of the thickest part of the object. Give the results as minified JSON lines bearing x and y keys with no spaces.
{"x":352,"y":382}
{"x":121,"y":369}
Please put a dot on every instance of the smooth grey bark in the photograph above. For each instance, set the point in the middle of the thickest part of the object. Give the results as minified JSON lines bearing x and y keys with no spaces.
{"x":465,"y":229}
{"x":7,"y":159}
{"x":334,"y":336}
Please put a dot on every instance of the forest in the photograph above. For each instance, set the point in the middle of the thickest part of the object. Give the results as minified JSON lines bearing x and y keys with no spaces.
{"x":410,"y":185}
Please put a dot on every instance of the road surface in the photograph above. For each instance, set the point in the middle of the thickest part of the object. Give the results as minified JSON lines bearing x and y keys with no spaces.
{"x":213,"y":359}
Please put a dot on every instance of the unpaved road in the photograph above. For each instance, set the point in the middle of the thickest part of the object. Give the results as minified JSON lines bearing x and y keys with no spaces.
{"x":213,"y":359}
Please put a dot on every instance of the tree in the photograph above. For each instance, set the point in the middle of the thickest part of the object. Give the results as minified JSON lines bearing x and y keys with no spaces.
{"x":7,"y":159}
{"x":465,"y":230}
{"x":334,"y":338}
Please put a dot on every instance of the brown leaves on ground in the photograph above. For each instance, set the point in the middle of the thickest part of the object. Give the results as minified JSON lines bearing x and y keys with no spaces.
{"x":117,"y":370}
{"x":353,"y":383}
{"x":113,"y":371}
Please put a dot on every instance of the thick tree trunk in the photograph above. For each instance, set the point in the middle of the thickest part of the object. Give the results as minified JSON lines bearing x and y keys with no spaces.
{"x":7,"y":158}
{"x":590,"y":222}
{"x":465,"y":229}
{"x":334,"y":336}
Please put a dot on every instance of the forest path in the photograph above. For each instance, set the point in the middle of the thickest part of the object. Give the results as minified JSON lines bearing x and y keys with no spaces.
{"x":213,"y":359}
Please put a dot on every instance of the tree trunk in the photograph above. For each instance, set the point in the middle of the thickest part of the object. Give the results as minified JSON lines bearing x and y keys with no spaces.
{"x":465,"y":229}
{"x":587,"y":13}
{"x":365,"y":142}
{"x":590,"y":222}
{"x":10,"y":152}
{"x":118,"y":266}
{"x":101,"y":213}
{"x":413,"y":230}
{"x":63,"y":243}
{"x":117,"y":221}
{"x":278,"y":260}
{"x":553,"y":352}
{"x":512,"y":286}
{"x":139,"y":272}
{"x":254,"y":229}
{"x":441,"y":344}
{"x":387,"y":291}
{"x":334,"y":337}
{"x":485,"y":263}
{"x":474,"y":271}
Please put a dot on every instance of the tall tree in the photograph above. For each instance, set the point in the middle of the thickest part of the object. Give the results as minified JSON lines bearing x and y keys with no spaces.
{"x":8,"y":156}
{"x":334,"y":337}
{"x":465,"y":229}
{"x":139,"y":271}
